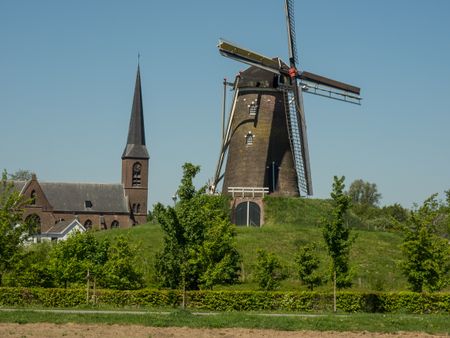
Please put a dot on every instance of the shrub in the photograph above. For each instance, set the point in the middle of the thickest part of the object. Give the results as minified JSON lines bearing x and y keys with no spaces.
{"x":306,"y":301}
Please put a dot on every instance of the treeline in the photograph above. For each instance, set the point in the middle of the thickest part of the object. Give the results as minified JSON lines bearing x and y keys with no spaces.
{"x":199,"y":245}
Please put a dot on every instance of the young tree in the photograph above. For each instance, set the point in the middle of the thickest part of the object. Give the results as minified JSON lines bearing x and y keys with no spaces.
{"x":119,"y":271}
{"x":13,"y":231}
{"x":307,"y":264}
{"x":199,"y":240}
{"x":269,"y":272}
{"x":31,"y":268}
{"x":426,"y":263}
{"x":338,"y":237}
{"x":70,"y":260}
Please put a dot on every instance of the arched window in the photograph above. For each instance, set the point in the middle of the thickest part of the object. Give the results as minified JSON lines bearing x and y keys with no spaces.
{"x":253,"y":108}
{"x":88,"y":224}
{"x":248,"y":214}
{"x":136,"y":181}
{"x":114,"y":224}
{"x":133,"y":208}
{"x":249,"y":138}
{"x":34,"y":224}
{"x":33,"y":197}
{"x":138,"y":208}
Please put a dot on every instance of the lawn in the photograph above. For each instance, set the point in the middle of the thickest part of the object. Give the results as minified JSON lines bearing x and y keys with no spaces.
{"x":386,"y":323}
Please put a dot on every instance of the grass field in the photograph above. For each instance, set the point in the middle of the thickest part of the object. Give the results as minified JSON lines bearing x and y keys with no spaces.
{"x":386,"y":323}
{"x":290,"y":222}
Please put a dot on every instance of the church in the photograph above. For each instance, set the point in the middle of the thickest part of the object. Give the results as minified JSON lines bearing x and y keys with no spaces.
{"x":96,"y":206}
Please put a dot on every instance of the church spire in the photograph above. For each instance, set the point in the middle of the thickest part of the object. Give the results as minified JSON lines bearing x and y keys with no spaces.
{"x":135,"y":147}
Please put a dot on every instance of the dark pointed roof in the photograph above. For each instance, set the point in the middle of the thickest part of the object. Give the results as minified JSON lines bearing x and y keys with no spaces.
{"x":135,"y":147}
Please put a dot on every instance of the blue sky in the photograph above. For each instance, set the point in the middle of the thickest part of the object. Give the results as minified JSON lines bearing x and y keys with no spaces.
{"x":67,"y":71}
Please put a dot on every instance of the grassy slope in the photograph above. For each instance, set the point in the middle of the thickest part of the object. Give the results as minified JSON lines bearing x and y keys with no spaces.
{"x":291,"y":222}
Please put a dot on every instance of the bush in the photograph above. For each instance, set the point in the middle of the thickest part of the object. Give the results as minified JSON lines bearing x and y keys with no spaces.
{"x":306,"y":301}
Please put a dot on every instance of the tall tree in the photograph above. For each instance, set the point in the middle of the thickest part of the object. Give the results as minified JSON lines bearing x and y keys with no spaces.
{"x":337,"y":236}
{"x":21,"y":175}
{"x":426,"y":263}
{"x":199,"y":240}
{"x":13,"y":231}
{"x":364,"y":193}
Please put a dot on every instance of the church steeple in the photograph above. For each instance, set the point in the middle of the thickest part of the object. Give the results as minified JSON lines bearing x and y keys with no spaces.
{"x":135,"y":160}
{"x":135,"y":147}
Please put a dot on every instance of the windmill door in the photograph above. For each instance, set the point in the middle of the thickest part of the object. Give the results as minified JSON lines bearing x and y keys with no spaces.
{"x":248,"y":213}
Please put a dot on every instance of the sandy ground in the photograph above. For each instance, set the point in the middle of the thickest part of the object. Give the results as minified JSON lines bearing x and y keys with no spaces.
{"x":134,"y":331}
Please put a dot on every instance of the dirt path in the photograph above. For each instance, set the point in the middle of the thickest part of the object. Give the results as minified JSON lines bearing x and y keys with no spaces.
{"x":70,"y":330}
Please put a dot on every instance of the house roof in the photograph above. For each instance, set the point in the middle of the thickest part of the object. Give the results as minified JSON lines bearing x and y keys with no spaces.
{"x":135,"y":147}
{"x":61,"y":228}
{"x":75,"y":197}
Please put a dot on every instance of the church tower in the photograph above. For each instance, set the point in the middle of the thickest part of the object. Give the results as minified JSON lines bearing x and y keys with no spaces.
{"x":135,"y":160}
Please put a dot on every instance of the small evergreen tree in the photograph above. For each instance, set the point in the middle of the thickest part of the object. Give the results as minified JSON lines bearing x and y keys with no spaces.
{"x":269,"y":272}
{"x":307,"y":264}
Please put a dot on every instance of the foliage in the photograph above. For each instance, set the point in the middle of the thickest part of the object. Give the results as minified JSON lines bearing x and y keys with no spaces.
{"x":396,"y":212}
{"x":70,"y":260}
{"x":13,"y":232}
{"x":426,"y":263}
{"x":307,"y":263}
{"x":21,"y":175}
{"x":305,"y":301}
{"x":268,"y":270}
{"x":119,"y":271}
{"x":112,"y":265}
{"x":32,"y":267}
{"x":199,"y":240}
{"x":364,"y":193}
{"x":337,"y":236}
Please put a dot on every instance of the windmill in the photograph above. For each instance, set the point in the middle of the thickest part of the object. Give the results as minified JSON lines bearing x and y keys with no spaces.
{"x":265,"y":142}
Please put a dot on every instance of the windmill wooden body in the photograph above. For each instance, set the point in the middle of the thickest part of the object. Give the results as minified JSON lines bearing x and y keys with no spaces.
{"x":265,"y":143}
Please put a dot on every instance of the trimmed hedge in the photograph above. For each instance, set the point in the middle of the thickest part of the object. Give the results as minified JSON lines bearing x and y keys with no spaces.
{"x":405,"y":302}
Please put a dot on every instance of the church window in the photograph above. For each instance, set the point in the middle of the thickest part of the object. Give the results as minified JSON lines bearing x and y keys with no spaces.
{"x":88,"y":204}
{"x":136,"y":181}
{"x":249,"y":138}
{"x":114,"y":224}
{"x":33,"y":197}
{"x":88,"y":224}
{"x":138,"y":208}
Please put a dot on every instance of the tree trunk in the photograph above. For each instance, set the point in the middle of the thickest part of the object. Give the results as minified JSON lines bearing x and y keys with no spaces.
{"x":334,"y":291}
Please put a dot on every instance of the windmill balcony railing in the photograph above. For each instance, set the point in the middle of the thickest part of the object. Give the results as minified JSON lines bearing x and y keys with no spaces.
{"x":248,"y":191}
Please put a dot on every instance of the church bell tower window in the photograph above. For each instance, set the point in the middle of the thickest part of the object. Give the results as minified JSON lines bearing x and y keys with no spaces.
{"x":136,"y":174}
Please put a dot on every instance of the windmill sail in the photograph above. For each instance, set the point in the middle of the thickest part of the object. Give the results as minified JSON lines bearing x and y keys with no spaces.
{"x":299,"y":144}
{"x":282,"y":144}
{"x":294,"y":110}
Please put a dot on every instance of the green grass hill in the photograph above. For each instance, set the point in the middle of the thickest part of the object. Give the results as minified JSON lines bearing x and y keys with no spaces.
{"x":290,"y":223}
